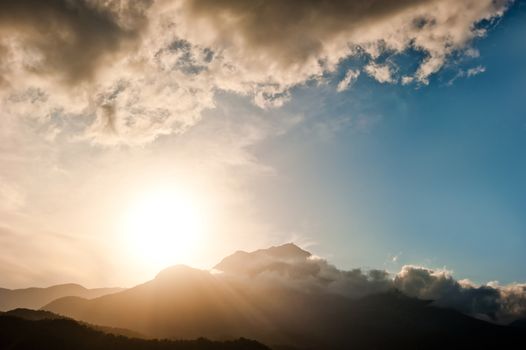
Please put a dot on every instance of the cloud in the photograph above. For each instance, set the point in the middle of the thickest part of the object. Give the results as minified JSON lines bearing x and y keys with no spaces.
{"x":66,"y":40}
{"x":468,"y":73}
{"x":127,"y":72}
{"x":102,"y":66}
{"x":289,"y":43}
{"x":297,"y":268}
{"x":348,"y":80}
{"x":382,"y":73}
{"x":444,"y":290}
{"x":475,"y":71}
{"x":502,"y":303}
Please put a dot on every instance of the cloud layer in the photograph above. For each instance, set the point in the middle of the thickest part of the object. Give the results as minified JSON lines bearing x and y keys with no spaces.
{"x":299,"y":269}
{"x":129,"y":71}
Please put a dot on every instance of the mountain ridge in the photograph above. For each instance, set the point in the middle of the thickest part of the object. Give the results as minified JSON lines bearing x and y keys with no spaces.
{"x":37,"y":297}
{"x":265,"y":298}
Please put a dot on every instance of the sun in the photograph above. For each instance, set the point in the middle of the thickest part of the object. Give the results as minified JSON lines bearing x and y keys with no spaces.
{"x":164,"y":227}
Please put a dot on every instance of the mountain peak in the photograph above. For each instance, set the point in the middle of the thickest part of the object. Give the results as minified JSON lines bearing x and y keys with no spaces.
{"x":287,"y":251}
{"x":244,"y":262}
{"x":178,"y":271}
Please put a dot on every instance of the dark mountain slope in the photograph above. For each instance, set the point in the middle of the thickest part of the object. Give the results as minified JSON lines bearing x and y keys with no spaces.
{"x":38,"y":315}
{"x":521,"y":323}
{"x":32,"y":315}
{"x":56,"y":334}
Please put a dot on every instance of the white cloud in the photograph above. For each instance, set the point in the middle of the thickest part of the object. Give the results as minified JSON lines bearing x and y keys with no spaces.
{"x":407,"y":80}
{"x":348,"y":80}
{"x":470,"y":72}
{"x":472,"y":52}
{"x":475,"y":71}
{"x":382,"y":73}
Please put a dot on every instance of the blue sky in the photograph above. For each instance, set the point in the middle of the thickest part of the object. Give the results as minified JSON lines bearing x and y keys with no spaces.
{"x":436,"y":177}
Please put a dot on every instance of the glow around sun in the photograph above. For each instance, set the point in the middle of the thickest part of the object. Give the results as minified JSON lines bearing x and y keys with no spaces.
{"x":163,"y":227}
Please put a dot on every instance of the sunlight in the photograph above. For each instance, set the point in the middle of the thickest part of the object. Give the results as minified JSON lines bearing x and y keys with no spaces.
{"x":164,"y":227}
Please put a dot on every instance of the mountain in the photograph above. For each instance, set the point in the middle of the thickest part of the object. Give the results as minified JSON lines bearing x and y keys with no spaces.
{"x":180,"y":302}
{"x":55,"y":334}
{"x":277,"y":259}
{"x":38,"y":315}
{"x":35,"y":298}
{"x":520,"y":323}
{"x":32,"y":315}
{"x":268,"y":295}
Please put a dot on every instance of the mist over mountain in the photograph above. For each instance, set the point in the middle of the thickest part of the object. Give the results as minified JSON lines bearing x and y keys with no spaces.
{"x":35,"y":298}
{"x":285,"y":295}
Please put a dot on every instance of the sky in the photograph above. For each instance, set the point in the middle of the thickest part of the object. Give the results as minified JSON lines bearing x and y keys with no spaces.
{"x":137,"y":135}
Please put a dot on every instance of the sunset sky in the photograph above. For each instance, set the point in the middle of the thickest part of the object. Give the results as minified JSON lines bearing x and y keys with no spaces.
{"x":140,"y":134}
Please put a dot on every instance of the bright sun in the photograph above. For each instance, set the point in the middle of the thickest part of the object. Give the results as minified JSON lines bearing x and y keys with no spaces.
{"x":164,"y":227}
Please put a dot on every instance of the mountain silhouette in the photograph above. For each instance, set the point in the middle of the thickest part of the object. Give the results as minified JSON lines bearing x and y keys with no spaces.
{"x":32,"y":315}
{"x":275,"y":259}
{"x":184,"y":303}
{"x":35,"y":298}
{"x":17,"y":333}
{"x":521,"y":323}
{"x":39,"y":315}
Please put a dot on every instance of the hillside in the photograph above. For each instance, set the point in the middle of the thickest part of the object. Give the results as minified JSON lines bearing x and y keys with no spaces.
{"x":55,"y":334}
{"x":35,"y":298}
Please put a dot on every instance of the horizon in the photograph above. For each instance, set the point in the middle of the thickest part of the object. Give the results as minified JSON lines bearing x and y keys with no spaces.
{"x":392,"y":275}
{"x":246,"y":279}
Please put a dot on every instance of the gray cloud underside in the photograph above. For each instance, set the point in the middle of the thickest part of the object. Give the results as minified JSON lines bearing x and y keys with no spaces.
{"x":296,"y":268}
{"x":66,"y":40}
{"x":135,"y":70}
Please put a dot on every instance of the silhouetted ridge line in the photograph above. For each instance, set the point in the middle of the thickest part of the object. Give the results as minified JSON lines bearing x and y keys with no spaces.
{"x":55,"y":334}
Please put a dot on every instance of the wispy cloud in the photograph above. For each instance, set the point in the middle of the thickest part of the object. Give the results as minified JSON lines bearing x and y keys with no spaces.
{"x":468,"y":73}
{"x":475,"y":71}
{"x":348,"y":80}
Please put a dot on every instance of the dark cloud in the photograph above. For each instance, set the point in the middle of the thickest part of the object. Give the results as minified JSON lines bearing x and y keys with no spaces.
{"x":67,"y":39}
{"x":291,"y":32}
{"x":444,"y":290}
{"x":310,"y":36}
